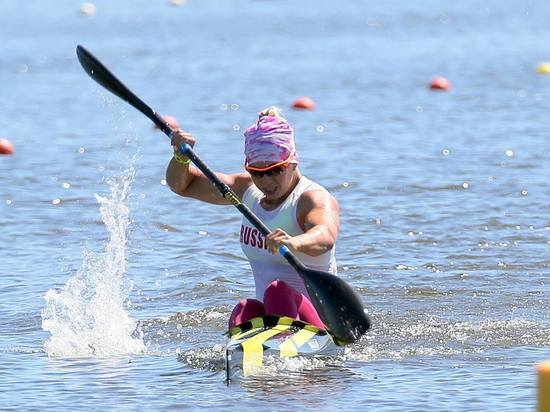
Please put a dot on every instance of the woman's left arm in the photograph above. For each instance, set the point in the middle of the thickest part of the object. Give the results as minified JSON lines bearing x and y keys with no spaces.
{"x":318,"y":215}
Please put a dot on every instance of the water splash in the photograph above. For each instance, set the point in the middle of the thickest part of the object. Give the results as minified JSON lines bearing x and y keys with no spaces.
{"x":87,"y":317}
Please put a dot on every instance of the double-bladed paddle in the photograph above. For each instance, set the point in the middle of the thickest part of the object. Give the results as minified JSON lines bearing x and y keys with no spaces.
{"x":338,"y":305}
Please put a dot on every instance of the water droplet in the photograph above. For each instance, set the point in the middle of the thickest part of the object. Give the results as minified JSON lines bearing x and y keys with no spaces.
{"x":66,"y":185}
{"x":445,"y":152}
{"x":345,"y":184}
{"x":509,"y":153}
{"x":465,"y":185}
{"x":320,"y":128}
{"x":81,"y":150}
{"x":163,"y":182}
{"x":524,"y":192}
{"x":202,"y":233}
{"x":9,"y":201}
{"x":419,"y":109}
{"x":88,"y":9}
{"x":236,"y":127}
{"x":56,"y":201}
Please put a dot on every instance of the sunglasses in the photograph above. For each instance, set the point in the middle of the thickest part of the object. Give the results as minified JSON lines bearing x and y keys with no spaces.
{"x":274,"y":171}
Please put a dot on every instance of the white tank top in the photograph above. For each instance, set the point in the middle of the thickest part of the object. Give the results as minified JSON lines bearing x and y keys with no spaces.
{"x":267,"y":267}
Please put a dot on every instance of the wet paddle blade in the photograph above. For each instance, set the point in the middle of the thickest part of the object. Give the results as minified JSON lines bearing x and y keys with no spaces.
{"x":338,"y":305}
{"x":97,"y":71}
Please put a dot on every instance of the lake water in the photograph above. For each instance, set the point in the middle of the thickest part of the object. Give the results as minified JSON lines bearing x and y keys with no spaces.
{"x":115,"y":292}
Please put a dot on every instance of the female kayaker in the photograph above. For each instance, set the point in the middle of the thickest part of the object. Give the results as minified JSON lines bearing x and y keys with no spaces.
{"x":303,"y":215}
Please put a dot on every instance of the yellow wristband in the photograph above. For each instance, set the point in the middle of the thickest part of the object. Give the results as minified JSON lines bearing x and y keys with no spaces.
{"x":181,"y":159}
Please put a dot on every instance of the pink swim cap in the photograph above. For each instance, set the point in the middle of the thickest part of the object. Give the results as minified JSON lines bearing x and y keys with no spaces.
{"x":270,"y":140}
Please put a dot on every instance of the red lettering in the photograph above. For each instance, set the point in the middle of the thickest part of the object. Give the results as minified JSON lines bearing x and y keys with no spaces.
{"x":246,"y":236}
{"x":253,"y":237}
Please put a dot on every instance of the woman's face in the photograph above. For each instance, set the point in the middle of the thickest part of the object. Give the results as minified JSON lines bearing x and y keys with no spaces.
{"x":274,"y":183}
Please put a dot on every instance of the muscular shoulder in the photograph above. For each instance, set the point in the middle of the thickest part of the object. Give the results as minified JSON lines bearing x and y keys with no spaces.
{"x":315,"y":198}
{"x":239,"y":182}
{"x":317,"y":206}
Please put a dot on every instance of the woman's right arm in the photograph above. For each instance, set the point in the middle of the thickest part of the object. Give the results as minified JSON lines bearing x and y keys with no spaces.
{"x":188,"y":181}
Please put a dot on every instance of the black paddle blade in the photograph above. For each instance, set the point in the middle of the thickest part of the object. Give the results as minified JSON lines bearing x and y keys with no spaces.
{"x":339,"y":306}
{"x":97,"y":71}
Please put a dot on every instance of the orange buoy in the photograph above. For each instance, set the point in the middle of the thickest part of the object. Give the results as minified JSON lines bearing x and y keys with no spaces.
{"x":304,"y":102}
{"x":440,"y":83}
{"x":543,"y":369}
{"x":6,"y":148}
{"x":171,"y":120}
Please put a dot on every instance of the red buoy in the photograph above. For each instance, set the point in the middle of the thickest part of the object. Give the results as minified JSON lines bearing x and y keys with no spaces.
{"x":304,"y":102}
{"x":440,"y":83}
{"x":6,"y":148}
{"x":171,"y":120}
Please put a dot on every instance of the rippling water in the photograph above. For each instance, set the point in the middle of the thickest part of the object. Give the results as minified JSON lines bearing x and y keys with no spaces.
{"x":116,"y":293}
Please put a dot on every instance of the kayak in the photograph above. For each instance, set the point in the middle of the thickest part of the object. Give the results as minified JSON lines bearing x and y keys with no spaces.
{"x":251,"y":343}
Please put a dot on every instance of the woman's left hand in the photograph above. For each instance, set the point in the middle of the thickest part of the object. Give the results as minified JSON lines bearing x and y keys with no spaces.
{"x":279,"y":237}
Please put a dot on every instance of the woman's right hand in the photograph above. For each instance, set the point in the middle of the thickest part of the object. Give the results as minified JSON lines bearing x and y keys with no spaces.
{"x":180,"y":137}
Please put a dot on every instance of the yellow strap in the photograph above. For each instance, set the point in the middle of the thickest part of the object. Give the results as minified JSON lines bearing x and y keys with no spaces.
{"x":290,"y":346}
{"x":242,"y":335}
{"x":257,"y":322}
{"x":253,"y":350}
{"x":237,"y":333}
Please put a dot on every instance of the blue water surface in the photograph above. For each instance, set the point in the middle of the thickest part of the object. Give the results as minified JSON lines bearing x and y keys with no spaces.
{"x":444,"y":197}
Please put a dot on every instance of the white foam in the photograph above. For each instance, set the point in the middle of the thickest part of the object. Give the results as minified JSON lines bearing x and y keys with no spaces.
{"x":87,"y":316}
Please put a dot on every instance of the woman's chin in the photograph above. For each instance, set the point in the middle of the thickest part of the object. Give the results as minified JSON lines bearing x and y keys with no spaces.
{"x":272,"y":194}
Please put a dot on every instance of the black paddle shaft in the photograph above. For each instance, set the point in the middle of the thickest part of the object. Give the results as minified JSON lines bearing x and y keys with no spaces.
{"x":338,"y":305}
